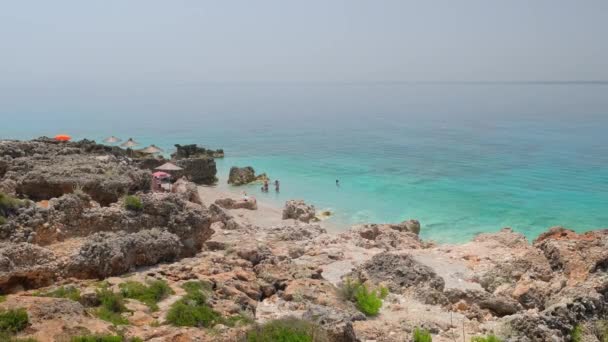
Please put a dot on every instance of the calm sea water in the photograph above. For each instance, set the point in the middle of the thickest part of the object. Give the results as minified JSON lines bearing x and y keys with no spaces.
{"x":461,"y":158}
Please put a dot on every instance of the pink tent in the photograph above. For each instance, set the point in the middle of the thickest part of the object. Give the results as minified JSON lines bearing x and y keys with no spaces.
{"x":161,"y":175}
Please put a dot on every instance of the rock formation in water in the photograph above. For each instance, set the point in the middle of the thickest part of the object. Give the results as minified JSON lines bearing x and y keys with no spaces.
{"x":244,"y":175}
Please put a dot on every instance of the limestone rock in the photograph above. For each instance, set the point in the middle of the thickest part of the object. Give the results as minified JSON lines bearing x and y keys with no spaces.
{"x":299,"y":210}
{"x":108,"y":254}
{"x":198,"y":170}
{"x":26,"y":265}
{"x":241,"y":175}
{"x":229,"y":203}
{"x":399,"y":271}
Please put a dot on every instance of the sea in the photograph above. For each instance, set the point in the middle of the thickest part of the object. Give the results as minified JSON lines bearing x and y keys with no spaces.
{"x":462,"y":158}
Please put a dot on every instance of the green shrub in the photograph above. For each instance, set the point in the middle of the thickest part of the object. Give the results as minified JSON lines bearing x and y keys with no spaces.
{"x":104,"y":338}
{"x":286,"y":330}
{"x":112,"y":306}
{"x":133,"y":203}
{"x":2,"y":299}
{"x":8,"y":204}
{"x":6,"y":337}
{"x":577,"y":333}
{"x":192,"y":311}
{"x":489,"y":338}
{"x":68,"y":292}
{"x":368,"y":301}
{"x":196,"y":286}
{"x":236,"y":320}
{"x":13,"y":320}
{"x":422,"y":335}
{"x":2,"y":220}
{"x":150,"y":294}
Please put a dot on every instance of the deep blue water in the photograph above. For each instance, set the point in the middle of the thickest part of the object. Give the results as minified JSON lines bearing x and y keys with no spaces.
{"x":461,"y":158}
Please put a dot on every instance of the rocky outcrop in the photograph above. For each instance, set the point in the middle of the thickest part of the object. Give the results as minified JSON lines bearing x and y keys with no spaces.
{"x":241,"y":175}
{"x":24,"y":265}
{"x":398,"y":272}
{"x":195,"y":151}
{"x":229,"y":203}
{"x":198,"y":170}
{"x":188,"y":191}
{"x":108,"y":254}
{"x":44,"y":169}
{"x":298,"y":210}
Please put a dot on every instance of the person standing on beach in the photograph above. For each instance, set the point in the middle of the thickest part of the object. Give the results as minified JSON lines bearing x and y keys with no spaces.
{"x":276,"y":185}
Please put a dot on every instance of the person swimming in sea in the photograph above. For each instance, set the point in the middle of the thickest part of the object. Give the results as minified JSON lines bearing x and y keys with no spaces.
{"x":337,"y":182}
{"x":276,"y":185}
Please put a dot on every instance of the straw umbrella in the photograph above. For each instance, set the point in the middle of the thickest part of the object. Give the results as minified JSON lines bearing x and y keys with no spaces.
{"x":168,"y":167}
{"x":130,"y":143}
{"x":152,"y":149}
{"x":112,"y":140}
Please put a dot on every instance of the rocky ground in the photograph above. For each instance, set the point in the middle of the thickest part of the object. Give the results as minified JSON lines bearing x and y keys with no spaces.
{"x":70,"y":248}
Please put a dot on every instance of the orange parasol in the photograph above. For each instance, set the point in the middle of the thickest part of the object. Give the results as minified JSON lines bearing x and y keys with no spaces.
{"x":63,"y":137}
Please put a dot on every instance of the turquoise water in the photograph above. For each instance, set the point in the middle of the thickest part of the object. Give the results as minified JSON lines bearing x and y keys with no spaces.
{"x":461,"y":158}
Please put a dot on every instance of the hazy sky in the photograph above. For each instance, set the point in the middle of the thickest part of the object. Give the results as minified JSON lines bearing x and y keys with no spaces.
{"x":148,"y":41}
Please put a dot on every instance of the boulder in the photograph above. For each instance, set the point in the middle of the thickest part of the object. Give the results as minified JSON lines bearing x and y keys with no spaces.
{"x":109,"y":254}
{"x":412,"y":226}
{"x":398,"y":272}
{"x":241,"y":175}
{"x":25,"y":265}
{"x":299,"y":210}
{"x":188,"y":191}
{"x":200,"y":170}
{"x":229,"y":203}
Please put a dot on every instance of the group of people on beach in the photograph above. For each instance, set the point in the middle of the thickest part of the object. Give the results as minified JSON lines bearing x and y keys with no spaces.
{"x":266,"y":185}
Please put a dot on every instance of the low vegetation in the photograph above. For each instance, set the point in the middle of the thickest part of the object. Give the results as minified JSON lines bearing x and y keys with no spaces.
{"x":133,"y":203}
{"x":368,"y":301}
{"x":8,"y":205}
{"x":192,"y":310}
{"x":2,"y":220}
{"x":13,"y":321}
{"x":577,"y":333}
{"x":68,"y":292}
{"x":286,"y":330}
{"x":2,"y":298}
{"x":149,"y":294}
{"x":601,"y":330}
{"x":104,"y":338}
{"x":422,"y":335}
{"x":112,"y":307}
{"x":489,"y":338}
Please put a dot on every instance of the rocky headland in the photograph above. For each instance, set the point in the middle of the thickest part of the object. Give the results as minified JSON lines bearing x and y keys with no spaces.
{"x":87,"y":249}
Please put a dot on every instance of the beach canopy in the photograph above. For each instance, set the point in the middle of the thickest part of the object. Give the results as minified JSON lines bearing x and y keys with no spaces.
{"x":152,"y":149}
{"x":112,"y":140}
{"x":161,"y":175}
{"x":130,"y":143}
{"x":168,"y":167}
{"x":63,"y":137}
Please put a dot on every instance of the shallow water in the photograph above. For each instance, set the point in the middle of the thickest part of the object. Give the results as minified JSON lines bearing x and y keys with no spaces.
{"x":461,"y":158}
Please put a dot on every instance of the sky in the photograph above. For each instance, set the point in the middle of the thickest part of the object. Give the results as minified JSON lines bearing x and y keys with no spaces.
{"x":118,"y":43}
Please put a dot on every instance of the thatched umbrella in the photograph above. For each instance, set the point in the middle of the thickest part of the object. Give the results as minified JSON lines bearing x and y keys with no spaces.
{"x":168,"y":167}
{"x":152,"y":149}
{"x":112,"y":140}
{"x":130,"y":143}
